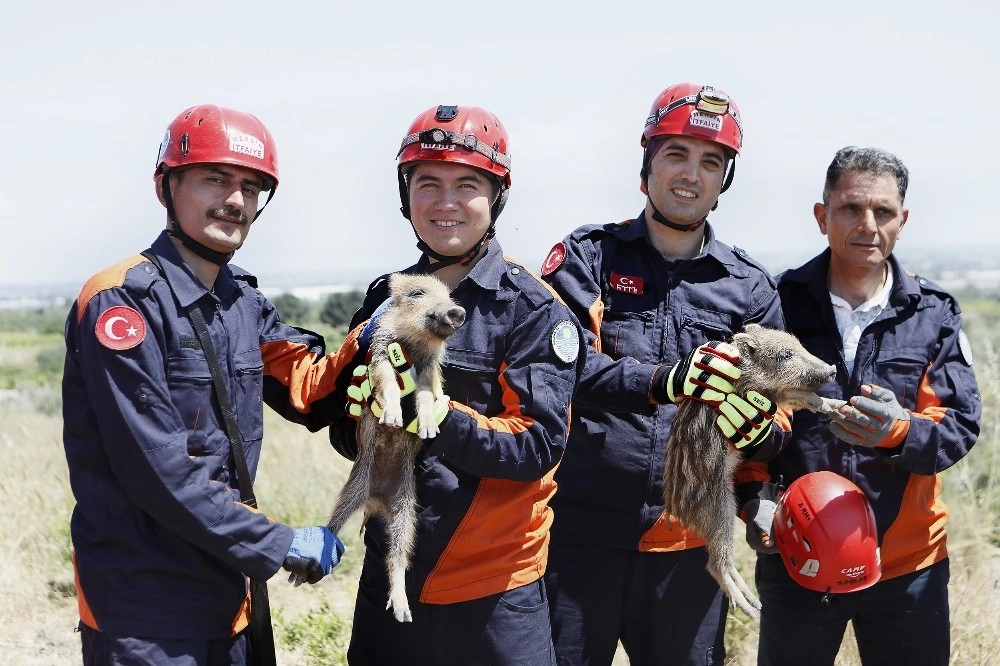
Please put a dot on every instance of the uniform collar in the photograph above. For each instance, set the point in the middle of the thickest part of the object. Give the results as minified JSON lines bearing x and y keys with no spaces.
{"x":487,"y":272}
{"x":714,"y":250}
{"x":185,"y":285}
{"x":905,"y":288}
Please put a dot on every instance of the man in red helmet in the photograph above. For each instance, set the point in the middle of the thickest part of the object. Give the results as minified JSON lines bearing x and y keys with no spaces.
{"x":660,"y":296}
{"x":157,"y":345}
{"x":483,"y":484}
{"x":904,"y":365}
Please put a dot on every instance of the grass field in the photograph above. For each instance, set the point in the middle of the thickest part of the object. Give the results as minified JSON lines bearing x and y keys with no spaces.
{"x":298,"y":482}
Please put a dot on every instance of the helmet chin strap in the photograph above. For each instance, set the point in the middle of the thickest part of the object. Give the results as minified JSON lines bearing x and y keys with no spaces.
{"x":443,"y":260}
{"x":658,"y":216}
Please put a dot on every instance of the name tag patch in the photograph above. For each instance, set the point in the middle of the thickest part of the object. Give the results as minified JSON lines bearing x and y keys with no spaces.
{"x":627,"y":284}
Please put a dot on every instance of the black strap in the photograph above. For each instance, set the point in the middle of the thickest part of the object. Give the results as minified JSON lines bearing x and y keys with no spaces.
{"x":222,"y":395}
{"x":261,"y":633}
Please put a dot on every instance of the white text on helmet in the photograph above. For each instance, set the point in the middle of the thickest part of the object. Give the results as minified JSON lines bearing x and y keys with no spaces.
{"x":705,"y":120}
{"x":246,"y":144}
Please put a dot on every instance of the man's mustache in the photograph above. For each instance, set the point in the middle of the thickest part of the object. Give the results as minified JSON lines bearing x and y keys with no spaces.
{"x":228,"y":212}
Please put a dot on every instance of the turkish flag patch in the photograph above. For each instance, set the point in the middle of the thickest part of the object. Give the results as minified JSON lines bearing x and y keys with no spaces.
{"x":120,"y":327}
{"x":557,"y":255}
{"x":629,"y":284}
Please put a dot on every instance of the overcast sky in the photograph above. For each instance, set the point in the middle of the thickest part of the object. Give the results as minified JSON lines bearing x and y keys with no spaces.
{"x":89,"y":87}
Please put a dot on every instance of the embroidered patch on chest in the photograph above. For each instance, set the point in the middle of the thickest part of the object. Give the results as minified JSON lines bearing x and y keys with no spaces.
{"x":628,"y":284}
{"x":120,"y":327}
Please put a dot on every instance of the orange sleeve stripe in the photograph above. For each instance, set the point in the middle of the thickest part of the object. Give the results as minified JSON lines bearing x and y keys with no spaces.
{"x":596,"y":320}
{"x":307,"y":380}
{"x":511,"y":421}
{"x":242,"y":619}
{"x":917,"y":538}
{"x":928,"y":404}
{"x":748,"y":472}
{"x":668,"y":535}
{"x":110,"y":277}
{"x":86,"y":615}
{"x":783,"y":417}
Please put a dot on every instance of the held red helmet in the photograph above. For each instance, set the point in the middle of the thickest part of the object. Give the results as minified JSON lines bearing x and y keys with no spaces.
{"x":461,"y":134}
{"x":209,"y":134}
{"x":689,"y":109}
{"x":825,"y":531}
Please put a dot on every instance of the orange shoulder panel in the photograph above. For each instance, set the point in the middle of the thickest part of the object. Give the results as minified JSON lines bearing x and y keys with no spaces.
{"x":110,"y":277}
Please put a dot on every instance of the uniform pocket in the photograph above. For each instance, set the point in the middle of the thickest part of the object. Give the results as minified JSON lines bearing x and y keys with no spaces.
{"x":249,"y":370}
{"x":191,"y":392}
{"x":696,"y":327}
{"x":626,"y":333}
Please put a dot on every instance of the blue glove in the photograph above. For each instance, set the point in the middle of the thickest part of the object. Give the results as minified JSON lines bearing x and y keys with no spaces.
{"x":872,"y":419}
{"x":746,"y":421}
{"x":314,"y":552}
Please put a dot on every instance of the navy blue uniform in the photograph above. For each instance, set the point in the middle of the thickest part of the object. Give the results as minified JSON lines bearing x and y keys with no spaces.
{"x":619,"y":567}
{"x":483,"y":484}
{"x":917,"y":350}
{"x":162,"y":543}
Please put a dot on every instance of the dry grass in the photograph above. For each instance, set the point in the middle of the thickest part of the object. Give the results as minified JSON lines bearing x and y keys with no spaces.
{"x":300,"y":477}
{"x":298,"y":482}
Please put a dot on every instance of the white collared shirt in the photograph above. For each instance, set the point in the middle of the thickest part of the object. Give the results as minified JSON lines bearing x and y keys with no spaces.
{"x":852,"y":322}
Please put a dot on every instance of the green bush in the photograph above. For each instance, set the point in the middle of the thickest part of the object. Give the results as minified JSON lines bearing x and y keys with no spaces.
{"x":338,"y":309}
{"x":293,"y":310}
{"x":320,"y":634}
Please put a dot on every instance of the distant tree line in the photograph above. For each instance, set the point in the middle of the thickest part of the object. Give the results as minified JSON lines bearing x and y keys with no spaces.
{"x":336,"y":310}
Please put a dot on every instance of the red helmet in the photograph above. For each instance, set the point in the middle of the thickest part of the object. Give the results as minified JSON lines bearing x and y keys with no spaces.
{"x":826,"y":534}
{"x":689,"y":109}
{"x":209,"y":134}
{"x":462,"y":134}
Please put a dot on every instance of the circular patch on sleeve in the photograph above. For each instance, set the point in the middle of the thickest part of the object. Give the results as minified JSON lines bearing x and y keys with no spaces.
{"x":965,"y":347}
{"x":120,"y":327}
{"x":557,"y":255}
{"x":566,"y":341}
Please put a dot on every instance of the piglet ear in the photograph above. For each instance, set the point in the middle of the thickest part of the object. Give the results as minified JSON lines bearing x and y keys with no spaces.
{"x":745,"y":343}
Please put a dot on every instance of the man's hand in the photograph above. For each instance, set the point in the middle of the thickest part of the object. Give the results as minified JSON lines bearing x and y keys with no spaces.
{"x":746,"y":421}
{"x":359,"y":393}
{"x":758,"y":514}
{"x":707,"y":374}
{"x":314,"y":552}
{"x":872,"y":419}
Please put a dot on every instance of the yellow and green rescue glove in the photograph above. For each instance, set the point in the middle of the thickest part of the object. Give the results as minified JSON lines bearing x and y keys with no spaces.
{"x":745,"y":421}
{"x":708,"y":374}
{"x":359,"y":393}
